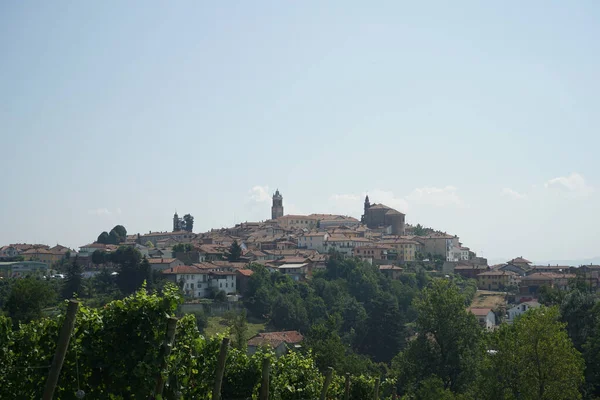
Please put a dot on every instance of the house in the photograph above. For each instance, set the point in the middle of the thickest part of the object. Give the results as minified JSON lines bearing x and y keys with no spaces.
{"x":159,"y":264}
{"x":407,"y":249}
{"x":468,"y":271}
{"x":297,"y":222}
{"x":88,"y":249}
{"x":441,"y":244}
{"x":530,"y":284}
{"x":557,"y":269}
{"x":295,"y":271}
{"x":344,"y":244}
{"x":256,"y":255}
{"x":285,"y":245}
{"x":280,"y":342}
{"x":516,"y":268}
{"x":195,"y":281}
{"x":223,"y":280}
{"x":43,"y":255}
{"x":521,"y":262}
{"x":313,"y":241}
{"x":326,"y":221}
{"x":179,"y":236}
{"x":8,"y":252}
{"x":17,"y":269}
{"x":485,"y":317}
{"x":210,"y":252}
{"x":242,"y":278}
{"x":391,"y":271}
{"x":375,"y":252}
{"x":497,"y":280}
{"x":520,"y":309}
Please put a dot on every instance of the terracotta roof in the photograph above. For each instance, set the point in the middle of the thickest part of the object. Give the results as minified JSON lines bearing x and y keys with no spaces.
{"x":389,"y":268}
{"x":161,"y":260}
{"x":498,"y":273}
{"x":469,"y":267}
{"x":178,"y":233}
{"x":274,"y":339}
{"x":520,"y":260}
{"x":547,"y":276}
{"x":205,"y":266}
{"x":480,"y":312}
{"x":221,"y":273}
{"x":95,"y":246}
{"x":183,"y":269}
{"x":229,"y":264}
{"x":245,"y":272}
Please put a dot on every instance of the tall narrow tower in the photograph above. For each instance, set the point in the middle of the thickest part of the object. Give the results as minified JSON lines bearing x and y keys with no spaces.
{"x":277,"y":208}
{"x":367,"y":206}
{"x":176,"y":223}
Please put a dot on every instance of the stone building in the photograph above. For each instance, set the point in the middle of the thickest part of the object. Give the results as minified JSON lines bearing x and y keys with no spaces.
{"x":277,"y":208}
{"x":378,"y":216}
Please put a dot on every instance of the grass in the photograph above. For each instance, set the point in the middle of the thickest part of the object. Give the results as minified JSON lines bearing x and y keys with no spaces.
{"x":218,"y":325}
{"x":488,"y":299}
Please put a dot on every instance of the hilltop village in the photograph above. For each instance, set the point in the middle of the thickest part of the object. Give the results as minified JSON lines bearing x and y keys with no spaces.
{"x":298,"y":245}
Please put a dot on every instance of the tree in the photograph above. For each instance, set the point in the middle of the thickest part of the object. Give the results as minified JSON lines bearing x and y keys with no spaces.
{"x":72,"y":283}
{"x":27,"y":298}
{"x":121,"y":232}
{"x":182,"y":248}
{"x":188,"y":221}
{"x":132,"y":271}
{"x":533,"y":358}
{"x":448,"y":343}
{"x":235,"y":252}
{"x":220,"y":296}
{"x":419,"y":230}
{"x":99,"y":257}
{"x":239,"y":330}
{"x":103,"y":238}
{"x":386,"y":334}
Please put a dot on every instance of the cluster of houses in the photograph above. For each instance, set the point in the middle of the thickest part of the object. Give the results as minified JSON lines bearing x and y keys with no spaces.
{"x":521,"y":277}
{"x":298,"y":245}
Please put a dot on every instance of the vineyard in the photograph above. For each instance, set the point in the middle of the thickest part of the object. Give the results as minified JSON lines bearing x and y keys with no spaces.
{"x":118,"y":352}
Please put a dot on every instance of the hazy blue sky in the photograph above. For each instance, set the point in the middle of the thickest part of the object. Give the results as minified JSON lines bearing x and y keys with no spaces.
{"x":477,"y":118}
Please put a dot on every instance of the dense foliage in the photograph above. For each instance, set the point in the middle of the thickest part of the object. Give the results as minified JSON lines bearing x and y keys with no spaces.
{"x":414,"y":333}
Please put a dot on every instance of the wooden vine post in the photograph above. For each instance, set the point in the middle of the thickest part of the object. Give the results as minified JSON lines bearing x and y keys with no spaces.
{"x":376,"y":391}
{"x":347,"y":387}
{"x":216,"y":394}
{"x":164,"y":356}
{"x":264,"y":384}
{"x":328,"y":378}
{"x":61,"y":349}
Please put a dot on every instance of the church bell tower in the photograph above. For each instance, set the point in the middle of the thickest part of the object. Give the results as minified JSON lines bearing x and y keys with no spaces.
{"x":277,"y":207}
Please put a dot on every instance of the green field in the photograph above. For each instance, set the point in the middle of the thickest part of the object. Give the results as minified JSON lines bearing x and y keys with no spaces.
{"x":219,"y":324}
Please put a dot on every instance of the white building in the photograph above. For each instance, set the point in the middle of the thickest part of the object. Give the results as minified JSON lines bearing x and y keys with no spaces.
{"x":485,"y":317}
{"x":313,"y":241}
{"x":520,"y":309}
{"x":195,"y":282}
{"x":223,"y":280}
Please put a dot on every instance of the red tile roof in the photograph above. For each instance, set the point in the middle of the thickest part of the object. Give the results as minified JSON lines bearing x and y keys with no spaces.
{"x":161,"y":260}
{"x":245,"y":272}
{"x":520,"y":260}
{"x":480,"y":312}
{"x":183,"y":269}
{"x":274,"y":339}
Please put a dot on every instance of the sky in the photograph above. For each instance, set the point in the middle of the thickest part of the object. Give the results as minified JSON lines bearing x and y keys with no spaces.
{"x":475,"y":118}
